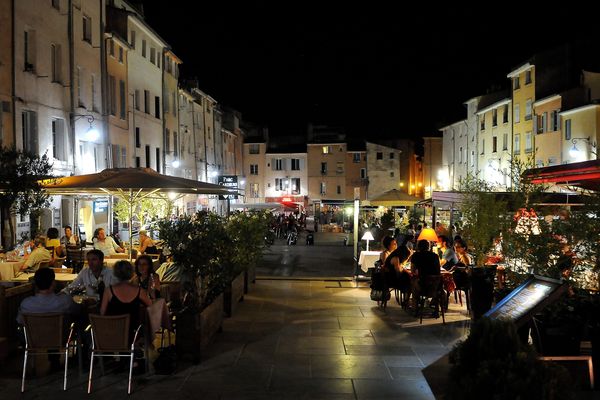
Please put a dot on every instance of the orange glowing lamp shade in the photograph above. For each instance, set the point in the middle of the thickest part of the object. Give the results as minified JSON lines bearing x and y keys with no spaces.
{"x":428,"y":234}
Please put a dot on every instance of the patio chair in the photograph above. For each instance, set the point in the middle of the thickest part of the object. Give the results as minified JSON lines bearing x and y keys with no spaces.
{"x":44,"y":332}
{"x":76,"y":257}
{"x":431,"y":287}
{"x":110,"y":338}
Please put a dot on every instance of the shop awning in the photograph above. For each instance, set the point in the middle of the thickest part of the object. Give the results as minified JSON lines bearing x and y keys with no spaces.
{"x":584,"y":174}
{"x":394,"y":197}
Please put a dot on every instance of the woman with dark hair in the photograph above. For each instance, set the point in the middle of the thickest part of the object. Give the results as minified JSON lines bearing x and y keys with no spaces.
{"x":145,"y":277}
{"x":396,"y":275}
{"x":53,"y":242}
{"x":460,"y":248}
{"x":389,"y":245}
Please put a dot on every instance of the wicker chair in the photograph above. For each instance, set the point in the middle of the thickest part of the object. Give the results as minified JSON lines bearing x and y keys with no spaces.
{"x":44,"y":332}
{"x":110,"y":338}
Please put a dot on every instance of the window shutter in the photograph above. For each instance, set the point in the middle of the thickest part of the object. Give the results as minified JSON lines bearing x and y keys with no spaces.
{"x":272,"y":164}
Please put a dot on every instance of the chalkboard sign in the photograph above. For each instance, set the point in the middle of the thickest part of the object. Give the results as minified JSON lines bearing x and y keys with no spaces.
{"x":527,"y":299}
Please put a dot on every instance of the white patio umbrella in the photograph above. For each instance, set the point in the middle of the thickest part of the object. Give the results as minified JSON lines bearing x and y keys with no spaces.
{"x":131,"y":185}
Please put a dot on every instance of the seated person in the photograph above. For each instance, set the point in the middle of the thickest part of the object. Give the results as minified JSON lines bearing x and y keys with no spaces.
{"x":147,"y":245}
{"x":424,"y":263}
{"x":145,"y":277}
{"x":464,"y":258}
{"x":169,"y":271}
{"x":124,"y":297}
{"x":106,"y":244}
{"x":396,"y":276}
{"x":38,"y":256}
{"x":69,"y":239}
{"x":448,"y":259}
{"x":94,"y":277}
{"x":53,"y":242}
{"x":45,"y":300}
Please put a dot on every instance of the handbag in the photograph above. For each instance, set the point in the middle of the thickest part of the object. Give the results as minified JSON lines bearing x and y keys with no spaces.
{"x":380,"y":295}
{"x":166,"y":362}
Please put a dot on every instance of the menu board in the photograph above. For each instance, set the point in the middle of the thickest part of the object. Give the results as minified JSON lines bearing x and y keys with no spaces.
{"x":527,"y":299}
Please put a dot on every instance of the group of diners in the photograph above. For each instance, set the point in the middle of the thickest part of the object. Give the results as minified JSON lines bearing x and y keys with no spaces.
{"x":51,"y":251}
{"x":407,"y":270}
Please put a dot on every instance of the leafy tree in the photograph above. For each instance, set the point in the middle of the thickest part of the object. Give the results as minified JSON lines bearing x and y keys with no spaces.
{"x":21,"y":193}
{"x":247,"y":231}
{"x":483,"y":216}
{"x":143,"y":210}
{"x":200,"y":244}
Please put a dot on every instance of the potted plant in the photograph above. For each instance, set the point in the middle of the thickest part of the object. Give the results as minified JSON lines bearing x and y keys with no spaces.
{"x":197,"y":243}
{"x":493,"y":362}
{"x":483,"y":218}
{"x":247,"y":232}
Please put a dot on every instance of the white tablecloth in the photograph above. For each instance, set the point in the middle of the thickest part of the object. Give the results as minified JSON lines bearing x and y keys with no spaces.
{"x":7,"y":269}
{"x":367,"y":259}
{"x":24,"y":277}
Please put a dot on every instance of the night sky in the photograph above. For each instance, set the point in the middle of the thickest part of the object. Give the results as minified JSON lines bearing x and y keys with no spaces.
{"x":374,"y":68}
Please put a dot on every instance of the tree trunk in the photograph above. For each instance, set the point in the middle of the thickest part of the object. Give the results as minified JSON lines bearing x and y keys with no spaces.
{"x":8,"y":230}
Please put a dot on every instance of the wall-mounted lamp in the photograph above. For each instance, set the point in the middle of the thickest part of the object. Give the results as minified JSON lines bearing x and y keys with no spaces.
{"x":92,"y":133}
{"x":574,"y":152}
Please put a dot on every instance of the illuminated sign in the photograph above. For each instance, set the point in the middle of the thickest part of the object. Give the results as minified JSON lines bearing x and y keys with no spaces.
{"x":100,"y":206}
{"x":230,"y":181}
{"x":286,"y":199}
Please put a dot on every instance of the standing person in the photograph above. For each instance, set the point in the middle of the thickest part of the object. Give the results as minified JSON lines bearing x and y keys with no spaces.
{"x":38,"y":256}
{"x":460,"y":247}
{"x":69,"y":239}
{"x":94,"y":277}
{"x":145,"y":277}
{"x":147,"y":245}
{"x":448,"y":259}
{"x":106,"y":245}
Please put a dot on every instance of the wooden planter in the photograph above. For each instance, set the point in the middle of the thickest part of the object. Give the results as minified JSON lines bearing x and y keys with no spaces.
{"x":234,"y":293}
{"x":249,"y":277}
{"x":196,"y":331}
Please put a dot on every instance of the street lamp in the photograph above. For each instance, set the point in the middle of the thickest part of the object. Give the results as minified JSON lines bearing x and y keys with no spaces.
{"x":176,"y":164}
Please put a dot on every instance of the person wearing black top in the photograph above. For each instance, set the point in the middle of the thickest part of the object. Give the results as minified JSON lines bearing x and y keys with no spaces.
{"x":423,"y":263}
{"x":396,"y":275}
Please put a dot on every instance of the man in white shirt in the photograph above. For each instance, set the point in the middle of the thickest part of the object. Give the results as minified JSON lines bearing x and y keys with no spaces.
{"x":45,"y":300}
{"x":94,"y":277}
{"x":106,"y":244}
{"x":38,"y":256}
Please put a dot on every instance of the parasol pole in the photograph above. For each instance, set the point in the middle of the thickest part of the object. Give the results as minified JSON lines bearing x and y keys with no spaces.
{"x":130,"y":223}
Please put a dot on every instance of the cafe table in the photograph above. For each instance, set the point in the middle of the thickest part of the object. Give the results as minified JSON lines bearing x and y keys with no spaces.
{"x":8,"y":269}
{"x":24,"y":277}
{"x":367,"y":259}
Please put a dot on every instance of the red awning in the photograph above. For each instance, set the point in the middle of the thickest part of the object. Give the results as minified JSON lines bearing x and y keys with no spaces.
{"x":584,"y":174}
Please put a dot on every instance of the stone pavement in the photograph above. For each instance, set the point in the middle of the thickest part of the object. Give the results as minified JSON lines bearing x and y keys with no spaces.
{"x":291,"y":339}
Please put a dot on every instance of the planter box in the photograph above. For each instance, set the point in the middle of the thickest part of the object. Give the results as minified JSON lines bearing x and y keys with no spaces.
{"x":234,"y":293}
{"x":249,"y":277}
{"x":196,"y":331}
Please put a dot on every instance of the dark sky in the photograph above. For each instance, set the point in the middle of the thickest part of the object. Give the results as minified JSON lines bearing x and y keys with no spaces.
{"x":375,"y":68}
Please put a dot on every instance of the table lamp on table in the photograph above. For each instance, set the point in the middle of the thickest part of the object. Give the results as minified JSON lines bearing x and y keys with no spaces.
{"x":368,"y":236}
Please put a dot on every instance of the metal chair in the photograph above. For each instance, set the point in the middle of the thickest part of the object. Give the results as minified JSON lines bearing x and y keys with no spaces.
{"x":431,"y":287}
{"x":110,"y":337}
{"x":43,"y":332}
